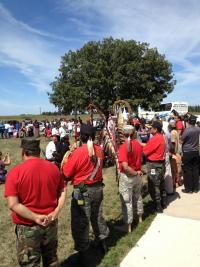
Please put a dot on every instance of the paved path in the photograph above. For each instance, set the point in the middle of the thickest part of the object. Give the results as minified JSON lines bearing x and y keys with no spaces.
{"x":173,"y":239}
{"x":184,"y":205}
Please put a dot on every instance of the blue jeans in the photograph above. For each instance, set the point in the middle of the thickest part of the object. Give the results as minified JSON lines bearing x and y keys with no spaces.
{"x":6,"y":133}
{"x":2,"y":178}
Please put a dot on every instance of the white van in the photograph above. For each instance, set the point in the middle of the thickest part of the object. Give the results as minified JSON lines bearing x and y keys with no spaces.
{"x":166,"y":109}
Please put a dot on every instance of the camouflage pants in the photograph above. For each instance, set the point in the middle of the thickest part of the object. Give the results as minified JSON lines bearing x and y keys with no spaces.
{"x":156,"y":181}
{"x":36,"y":242}
{"x":130,"y":193}
{"x":82,"y":215}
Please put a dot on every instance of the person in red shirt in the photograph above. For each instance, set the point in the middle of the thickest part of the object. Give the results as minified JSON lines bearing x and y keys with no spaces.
{"x":48,"y":132}
{"x":154,"y":151}
{"x":35,"y":194}
{"x":179,"y":125}
{"x":84,"y":169}
{"x":130,"y":179}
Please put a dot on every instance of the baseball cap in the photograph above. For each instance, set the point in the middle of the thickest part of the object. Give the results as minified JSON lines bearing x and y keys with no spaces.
{"x":87,"y":129}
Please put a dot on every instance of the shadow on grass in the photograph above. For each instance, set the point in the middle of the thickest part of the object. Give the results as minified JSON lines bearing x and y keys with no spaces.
{"x":149,"y":209}
{"x":95,"y":256}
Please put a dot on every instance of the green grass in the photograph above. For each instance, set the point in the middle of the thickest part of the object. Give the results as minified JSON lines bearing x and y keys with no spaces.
{"x":119,"y":243}
{"x":43,"y":117}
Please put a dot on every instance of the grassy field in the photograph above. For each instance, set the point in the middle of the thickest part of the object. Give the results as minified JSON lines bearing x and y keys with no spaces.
{"x":42,"y":117}
{"x":119,"y":243}
{"x":52,"y":117}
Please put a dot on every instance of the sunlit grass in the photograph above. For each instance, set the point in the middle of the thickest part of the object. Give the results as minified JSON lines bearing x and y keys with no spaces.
{"x":119,"y":244}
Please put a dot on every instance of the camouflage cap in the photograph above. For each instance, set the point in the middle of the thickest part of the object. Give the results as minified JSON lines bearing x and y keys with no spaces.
{"x":128,"y":129}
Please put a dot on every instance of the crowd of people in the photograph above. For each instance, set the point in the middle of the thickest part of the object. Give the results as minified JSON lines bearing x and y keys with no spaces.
{"x":4,"y":161}
{"x":30,"y":128}
{"x":36,"y":189}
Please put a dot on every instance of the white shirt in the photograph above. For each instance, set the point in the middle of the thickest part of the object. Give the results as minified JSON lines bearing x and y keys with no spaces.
{"x":63,"y":124}
{"x":62,"y":132}
{"x":50,"y":149}
{"x":125,"y":115}
{"x":7,"y":125}
{"x":70,"y":125}
{"x":165,"y":126}
{"x":10,"y":129}
{"x":54,"y":131}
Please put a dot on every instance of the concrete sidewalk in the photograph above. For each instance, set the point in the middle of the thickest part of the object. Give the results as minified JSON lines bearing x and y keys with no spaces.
{"x":173,"y":239}
{"x":184,"y":205}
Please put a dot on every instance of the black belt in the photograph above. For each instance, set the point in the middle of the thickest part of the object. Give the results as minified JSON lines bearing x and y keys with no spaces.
{"x":99,"y":183}
{"x":156,"y":161}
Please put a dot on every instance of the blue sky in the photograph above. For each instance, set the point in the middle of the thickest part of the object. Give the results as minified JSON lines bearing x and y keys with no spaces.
{"x":35,"y":34}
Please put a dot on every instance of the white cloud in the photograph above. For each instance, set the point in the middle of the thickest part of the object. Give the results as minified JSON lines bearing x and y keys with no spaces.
{"x":171,"y":26}
{"x":28,"y":50}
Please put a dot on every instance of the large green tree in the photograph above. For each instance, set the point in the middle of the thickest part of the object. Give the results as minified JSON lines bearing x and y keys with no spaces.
{"x":102,"y":72}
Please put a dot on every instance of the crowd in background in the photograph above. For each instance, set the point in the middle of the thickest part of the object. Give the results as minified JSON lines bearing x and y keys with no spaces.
{"x":168,"y":146}
{"x":60,"y":130}
{"x":30,"y":128}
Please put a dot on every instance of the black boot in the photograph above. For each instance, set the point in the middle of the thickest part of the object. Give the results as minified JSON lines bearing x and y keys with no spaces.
{"x":100,"y":245}
{"x":159,"y":208}
{"x":83,"y":260}
{"x":103,"y":246}
{"x":164,"y":202}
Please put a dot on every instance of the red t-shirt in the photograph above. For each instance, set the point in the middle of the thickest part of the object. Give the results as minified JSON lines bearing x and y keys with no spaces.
{"x":134,"y":158}
{"x":136,"y":122}
{"x":36,"y":182}
{"x":179,"y":126}
{"x":155,"y":148}
{"x":79,"y":166}
{"x":48,"y":132}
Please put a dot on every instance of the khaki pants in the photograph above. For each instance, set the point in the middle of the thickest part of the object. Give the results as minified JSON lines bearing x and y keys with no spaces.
{"x":130,"y":193}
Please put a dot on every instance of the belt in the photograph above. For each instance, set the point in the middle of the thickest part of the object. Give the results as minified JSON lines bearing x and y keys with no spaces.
{"x":156,"y":161}
{"x":99,"y":183}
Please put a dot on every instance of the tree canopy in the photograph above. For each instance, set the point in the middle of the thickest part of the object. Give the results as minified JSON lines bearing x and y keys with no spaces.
{"x":104,"y":71}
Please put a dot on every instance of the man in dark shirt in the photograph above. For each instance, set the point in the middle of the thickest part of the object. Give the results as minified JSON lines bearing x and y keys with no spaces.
{"x":190,"y":148}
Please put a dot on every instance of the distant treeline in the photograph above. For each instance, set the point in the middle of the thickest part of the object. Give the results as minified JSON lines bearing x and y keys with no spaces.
{"x":49,"y":113}
{"x":194,"y":108}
